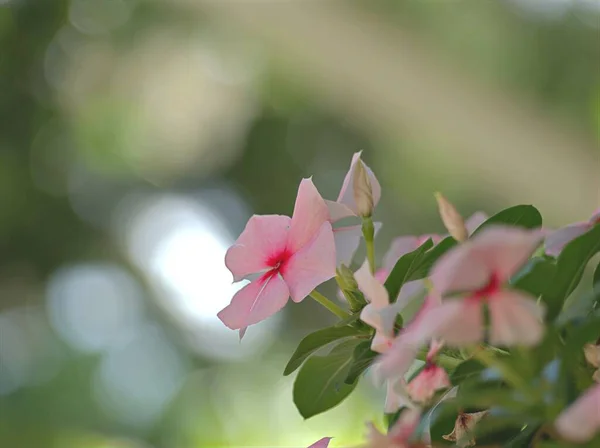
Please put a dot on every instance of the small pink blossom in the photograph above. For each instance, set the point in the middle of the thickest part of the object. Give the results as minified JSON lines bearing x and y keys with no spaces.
{"x":432,"y":378}
{"x":323,"y":443}
{"x":592,"y":356}
{"x":399,"y":435}
{"x":462,"y":433}
{"x":479,"y":269}
{"x":581,"y":421}
{"x":558,"y":239}
{"x":378,"y":313}
{"x":291,"y":256}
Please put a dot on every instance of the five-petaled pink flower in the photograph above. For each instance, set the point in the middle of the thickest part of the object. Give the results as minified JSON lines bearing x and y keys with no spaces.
{"x":400,"y":435}
{"x":580,"y":421}
{"x":558,"y":239}
{"x":431,"y":379}
{"x":291,"y":256}
{"x":323,"y":443}
{"x":478,"y":270}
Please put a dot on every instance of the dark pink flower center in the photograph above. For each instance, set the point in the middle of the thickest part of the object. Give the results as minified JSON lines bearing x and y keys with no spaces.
{"x":491,"y":288}
{"x":278,"y":260}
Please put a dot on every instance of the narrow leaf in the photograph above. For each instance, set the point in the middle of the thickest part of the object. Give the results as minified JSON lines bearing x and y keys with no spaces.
{"x":320,"y":384}
{"x":430,"y":257}
{"x":596,"y":279}
{"x":535,"y":276}
{"x":526,"y":216}
{"x":404,"y":269}
{"x":362,"y":359}
{"x":315,"y":341}
{"x":570,"y":265}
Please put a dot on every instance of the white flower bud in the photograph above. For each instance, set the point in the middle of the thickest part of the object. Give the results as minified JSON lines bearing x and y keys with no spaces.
{"x":363,"y":193}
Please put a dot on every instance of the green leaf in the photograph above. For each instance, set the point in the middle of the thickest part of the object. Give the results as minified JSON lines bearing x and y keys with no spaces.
{"x":535,"y":276}
{"x":596,"y":279}
{"x":430,"y":257}
{"x":569,"y":269}
{"x":466,"y":370}
{"x":349,"y":320}
{"x":320,"y":384}
{"x":362,"y":358}
{"x":315,"y":341}
{"x":526,"y":216}
{"x":405,"y":267}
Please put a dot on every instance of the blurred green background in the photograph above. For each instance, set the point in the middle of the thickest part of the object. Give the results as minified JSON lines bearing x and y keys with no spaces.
{"x":137,"y":137}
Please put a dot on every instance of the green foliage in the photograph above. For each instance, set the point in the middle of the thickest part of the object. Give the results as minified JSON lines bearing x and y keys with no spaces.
{"x":533,"y":277}
{"x":320,"y":384}
{"x":404,"y":269}
{"x":526,"y":216}
{"x":315,"y":341}
{"x":362,"y":358}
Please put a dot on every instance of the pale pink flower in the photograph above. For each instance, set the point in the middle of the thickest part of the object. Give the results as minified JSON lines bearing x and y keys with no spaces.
{"x":396,"y":396}
{"x":581,"y":421}
{"x":291,"y":255}
{"x":396,"y":361}
{"x":399,"y":435}
{"x":558,"y":239}
{"x":462,"y":433}
{"x":592,"y":356}
{"x":432,"y":378}
{"x":323,"y":443}
{"x":378,"y":313}
{"x":478,"y":269}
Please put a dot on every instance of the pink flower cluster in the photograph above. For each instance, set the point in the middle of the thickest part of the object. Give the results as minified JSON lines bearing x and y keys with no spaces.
{"x":289,"y":257}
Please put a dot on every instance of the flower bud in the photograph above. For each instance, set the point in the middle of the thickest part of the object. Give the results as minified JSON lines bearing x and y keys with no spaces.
{"x":345,"y":280}
{"x":362,"y":190}
{"x":452,"y":220}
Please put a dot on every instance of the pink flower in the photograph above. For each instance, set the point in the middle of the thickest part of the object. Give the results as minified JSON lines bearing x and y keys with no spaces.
{"x":580,"y":421}
{"x":431,"y":379}
{"x":291,"y":255}
{"x":399,"y":435}
{"x":396,"y":361}
{"x":347,"y":238}
{"x":396,"y":396}
{"x":378,"y":313}
{"x":323,"y":443}
{"x":479,"y":269}
{"x":558,"y":239}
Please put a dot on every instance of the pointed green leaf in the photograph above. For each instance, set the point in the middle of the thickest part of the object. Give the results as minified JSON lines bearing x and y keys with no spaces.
{"x":596,"y":279}
{"x":535,"y":276}
{"x":570,"y":265}
{"x":361,"y":360}
{"x":526,"y":216}
{"x":405,"y":267}
{"x":430,"y":257}
{"x":320,"y":384}
{"x":315,"y":341}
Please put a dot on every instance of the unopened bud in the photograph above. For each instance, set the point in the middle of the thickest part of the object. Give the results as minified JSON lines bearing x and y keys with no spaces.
{"x":452,"y":220}
{"x":363,"y":192}
{"x":345,"y":280}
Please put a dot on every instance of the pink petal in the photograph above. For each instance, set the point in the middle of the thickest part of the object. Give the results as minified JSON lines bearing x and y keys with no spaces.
{"x":396,"y":396}
{"x":338,"y":211}
{"x":557,"y":240}
{"x":396,"y":361}
{"x":457,"y":322}
{"x":255,"y":302}
{"x":595,"y":219}
{"x":516,"y":319}
{"x":347,"y":240}
{"x":580,"y":421}
{"x":434,"y":349}
{"x":263,"y":237}
{"x":312,"y":265}
{"x":431,"y":379}
{"x":408,"y":292}
{"x":323,"y":443}
{"x":498,"y":250}
{"x":406,"y":425}
{"x":475,"y":220}
{"x":382,"y":341}
{"x":346,"y":196}
{"x":310,"y":212}
{"x":373,"y":290}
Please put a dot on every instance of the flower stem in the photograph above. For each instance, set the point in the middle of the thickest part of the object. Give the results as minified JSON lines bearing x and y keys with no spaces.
{"x":329,"y":304}
{"x":368,"y":230}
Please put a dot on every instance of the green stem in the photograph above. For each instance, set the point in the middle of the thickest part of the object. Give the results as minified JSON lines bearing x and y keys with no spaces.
{"x":329,"y":304}
{"x":369,"y":234}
